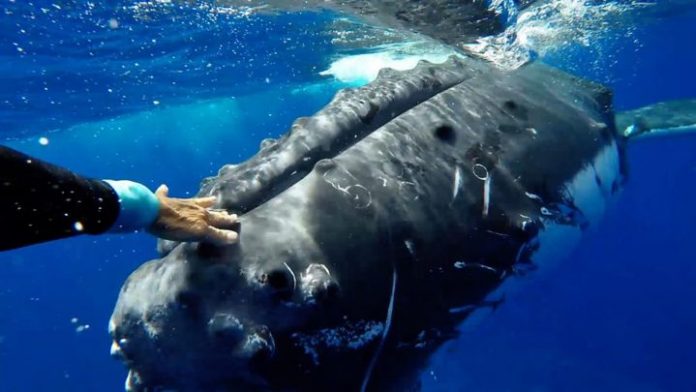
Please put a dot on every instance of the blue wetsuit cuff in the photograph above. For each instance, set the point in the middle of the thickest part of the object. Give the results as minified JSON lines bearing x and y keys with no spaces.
{"x":139,"y":206}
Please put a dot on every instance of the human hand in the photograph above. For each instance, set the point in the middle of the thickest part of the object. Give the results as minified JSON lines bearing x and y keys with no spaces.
{"x":190,"y":220}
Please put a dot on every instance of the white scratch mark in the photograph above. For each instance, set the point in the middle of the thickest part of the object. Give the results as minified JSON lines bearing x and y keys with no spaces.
{"x":473,"y":113}
{"x":385,"y":333}
{"x":486,"y":196}
{"x":464,"y":264}
{"x":534,"y":197}
{"x":499,"y":234}
{"x":457,"y":183}
{"x":462,"y":309}
{"x":294,"y":279}
{"x":410,"y":247}
{"x":525,"y":223}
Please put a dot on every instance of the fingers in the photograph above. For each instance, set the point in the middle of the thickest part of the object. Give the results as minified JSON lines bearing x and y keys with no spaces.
{"x":221,"y":219}
{"x":162,"y":191}
{"x":220,"y":237}
{"x":218,"y":221}
{"x":205,"y":202}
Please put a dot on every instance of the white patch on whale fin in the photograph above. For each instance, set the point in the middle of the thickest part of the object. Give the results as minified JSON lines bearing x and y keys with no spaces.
{"x":632,"y":132}
{"x":591,"y":189}
{"x":663,"y":119}
{"x":591,"y":192}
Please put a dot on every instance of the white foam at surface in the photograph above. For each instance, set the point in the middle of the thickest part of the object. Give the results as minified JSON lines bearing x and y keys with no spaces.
{"x":551,"y":25}
{"x":363,"y":68}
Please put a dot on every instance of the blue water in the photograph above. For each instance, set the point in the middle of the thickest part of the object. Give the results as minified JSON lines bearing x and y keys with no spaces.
{"x":171,"y":95}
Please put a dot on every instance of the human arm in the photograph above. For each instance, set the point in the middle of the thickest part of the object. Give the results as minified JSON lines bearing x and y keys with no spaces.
{"x":41,"y":202}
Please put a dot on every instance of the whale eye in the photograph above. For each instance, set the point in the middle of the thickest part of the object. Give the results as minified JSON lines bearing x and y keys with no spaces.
{"x":190,"y":302}
{"x":278,"y":280}
{"x":281,"y":281}
{"x":209,"y":251}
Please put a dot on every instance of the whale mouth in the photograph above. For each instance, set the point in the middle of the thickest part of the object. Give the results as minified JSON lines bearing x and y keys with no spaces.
{"x":226,"y":352}
{"x":199,"y":325}
{"x":175,"y":329}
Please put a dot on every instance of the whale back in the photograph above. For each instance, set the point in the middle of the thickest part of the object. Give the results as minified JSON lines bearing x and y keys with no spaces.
{"x":372,"y":229}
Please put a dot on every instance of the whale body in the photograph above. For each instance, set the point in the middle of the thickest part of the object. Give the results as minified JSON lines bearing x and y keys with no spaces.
{"x":371,"y":230}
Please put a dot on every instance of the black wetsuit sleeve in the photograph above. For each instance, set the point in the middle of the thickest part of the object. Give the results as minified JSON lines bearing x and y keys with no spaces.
{"x":41,"y":202}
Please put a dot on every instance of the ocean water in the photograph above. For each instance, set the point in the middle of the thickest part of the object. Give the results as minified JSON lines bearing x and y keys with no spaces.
{"x":167,"y":93}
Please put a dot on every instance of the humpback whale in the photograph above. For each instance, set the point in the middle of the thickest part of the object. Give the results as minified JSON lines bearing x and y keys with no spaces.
{"x":370,"y":230}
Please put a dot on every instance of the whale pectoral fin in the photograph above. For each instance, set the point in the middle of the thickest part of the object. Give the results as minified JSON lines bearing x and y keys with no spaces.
{"x":663,"y":119}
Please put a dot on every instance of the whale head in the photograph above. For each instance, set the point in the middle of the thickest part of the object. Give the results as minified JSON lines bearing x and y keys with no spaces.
{"x":245,"y":316}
